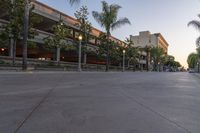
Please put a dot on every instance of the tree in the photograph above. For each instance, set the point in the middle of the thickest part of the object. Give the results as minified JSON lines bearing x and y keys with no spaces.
{"x":147,"y":49}
{"x":108,"y":19}
{"x":26,"y":27}
{"x":101,"y":46}
{"x":13,"y":31}
{"x":196,"y":24}
{"x":157,"y":55}
{"x":194,"y":58}
{"x":58,"y":40}
{"x":132,"y":53}
{"x":115,"y":52}
{"x":85,"y":28}
{"x":170,"y":63}
{"x":115,"y":49}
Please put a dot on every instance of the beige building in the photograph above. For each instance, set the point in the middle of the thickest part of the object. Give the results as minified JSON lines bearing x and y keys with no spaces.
{"x":146,"y":39}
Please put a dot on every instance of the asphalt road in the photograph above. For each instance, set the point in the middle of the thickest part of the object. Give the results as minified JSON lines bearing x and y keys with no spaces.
{"x":55,"y":102}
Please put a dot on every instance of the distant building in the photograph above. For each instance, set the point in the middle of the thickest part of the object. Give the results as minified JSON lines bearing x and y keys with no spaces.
{"x":146,"y":40}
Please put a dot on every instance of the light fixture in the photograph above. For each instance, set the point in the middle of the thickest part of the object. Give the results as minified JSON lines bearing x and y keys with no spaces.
{"x":80,"y":38}
{"x":124,"y":51}
{"x":2,"y":49}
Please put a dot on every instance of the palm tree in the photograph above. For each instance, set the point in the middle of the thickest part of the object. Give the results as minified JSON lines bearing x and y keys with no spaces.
{"x":157,"y":55}
{"x":132,"y":53}
{"x":196,"y":24}
{"x":147,"y":49}
{"x":192,"y":60}
{"x":108,"y":19}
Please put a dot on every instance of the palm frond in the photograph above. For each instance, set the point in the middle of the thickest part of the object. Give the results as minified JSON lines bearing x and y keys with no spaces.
{"x":192,"y":60}
{"x":105,"y":6}
{"x":73,"y":1}
{"x":198,"y":52}
{"x":98,"y":17}
{"x":120,"y":22}
{"x":198,"y":42}
{"x":114,"y":10}
{"x":198,"y":15}
{"x":195,"y":23}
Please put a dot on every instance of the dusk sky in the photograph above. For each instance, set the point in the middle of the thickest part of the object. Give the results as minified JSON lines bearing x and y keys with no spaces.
{"x":168,"y":17}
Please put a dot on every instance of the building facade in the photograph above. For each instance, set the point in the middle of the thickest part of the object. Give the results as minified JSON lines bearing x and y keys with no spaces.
{"x":147,"y":40}
{"x":50,"y":17}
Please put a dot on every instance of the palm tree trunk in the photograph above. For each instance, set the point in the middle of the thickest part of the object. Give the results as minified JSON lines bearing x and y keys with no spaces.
{"x":25,"y":37}
{"x":11,"y":38}
{"x":108,"y":52}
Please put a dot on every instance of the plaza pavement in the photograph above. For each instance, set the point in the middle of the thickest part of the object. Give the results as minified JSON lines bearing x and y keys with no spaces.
{"x":97,"y":102}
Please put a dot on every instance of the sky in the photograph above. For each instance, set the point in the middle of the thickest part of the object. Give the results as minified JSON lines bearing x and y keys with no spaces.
{"x":168,"y":17}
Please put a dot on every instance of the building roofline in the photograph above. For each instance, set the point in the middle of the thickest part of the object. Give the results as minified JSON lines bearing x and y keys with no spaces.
{"x":161,"y":36}
{"x":59,"y":12}
{"x":72,"y":18}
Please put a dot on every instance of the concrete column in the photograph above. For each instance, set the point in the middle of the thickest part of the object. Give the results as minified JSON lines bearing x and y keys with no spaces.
{"x":11,"y":43}
{"x":128,"y":63}
{"x":85,"y":59}
{"x":14,"y":52}
{"x":58,"y":54}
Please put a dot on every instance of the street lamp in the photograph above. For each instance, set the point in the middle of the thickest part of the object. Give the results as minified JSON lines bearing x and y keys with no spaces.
{"x":2,"y":49}
{"x":158,"y":66}
{"x":80,"y":38}
{"x":198,"y":66}
{"x":152,"y":65}
{"x":124,"y":51}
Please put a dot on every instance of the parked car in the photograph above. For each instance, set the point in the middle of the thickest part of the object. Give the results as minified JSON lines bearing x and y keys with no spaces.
{"x":191,"y":71}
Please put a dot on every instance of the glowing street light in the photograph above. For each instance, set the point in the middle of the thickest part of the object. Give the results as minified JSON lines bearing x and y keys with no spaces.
{"x":124,"y":51}
{"x":2,"y":49}
{"x":158,"y":66}
{"x":80,"y":38}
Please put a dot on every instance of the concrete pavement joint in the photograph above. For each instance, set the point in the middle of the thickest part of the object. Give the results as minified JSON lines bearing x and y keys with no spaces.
{"x":155,"y":112}
{"x":35,"y":108}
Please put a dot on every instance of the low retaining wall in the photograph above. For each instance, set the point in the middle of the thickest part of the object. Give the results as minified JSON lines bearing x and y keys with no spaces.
{"x":34,"y":64}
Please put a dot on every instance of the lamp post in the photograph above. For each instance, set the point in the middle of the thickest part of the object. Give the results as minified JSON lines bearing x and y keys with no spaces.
{"x":124,"y":60}
{"x":198,"y":66}
{"x":152,"y":65}
{"x":80,"y":38}
{"x":158,"y":66}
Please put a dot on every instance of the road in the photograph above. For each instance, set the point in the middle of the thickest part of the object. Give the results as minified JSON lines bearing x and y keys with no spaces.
{"x":56,"y":102}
